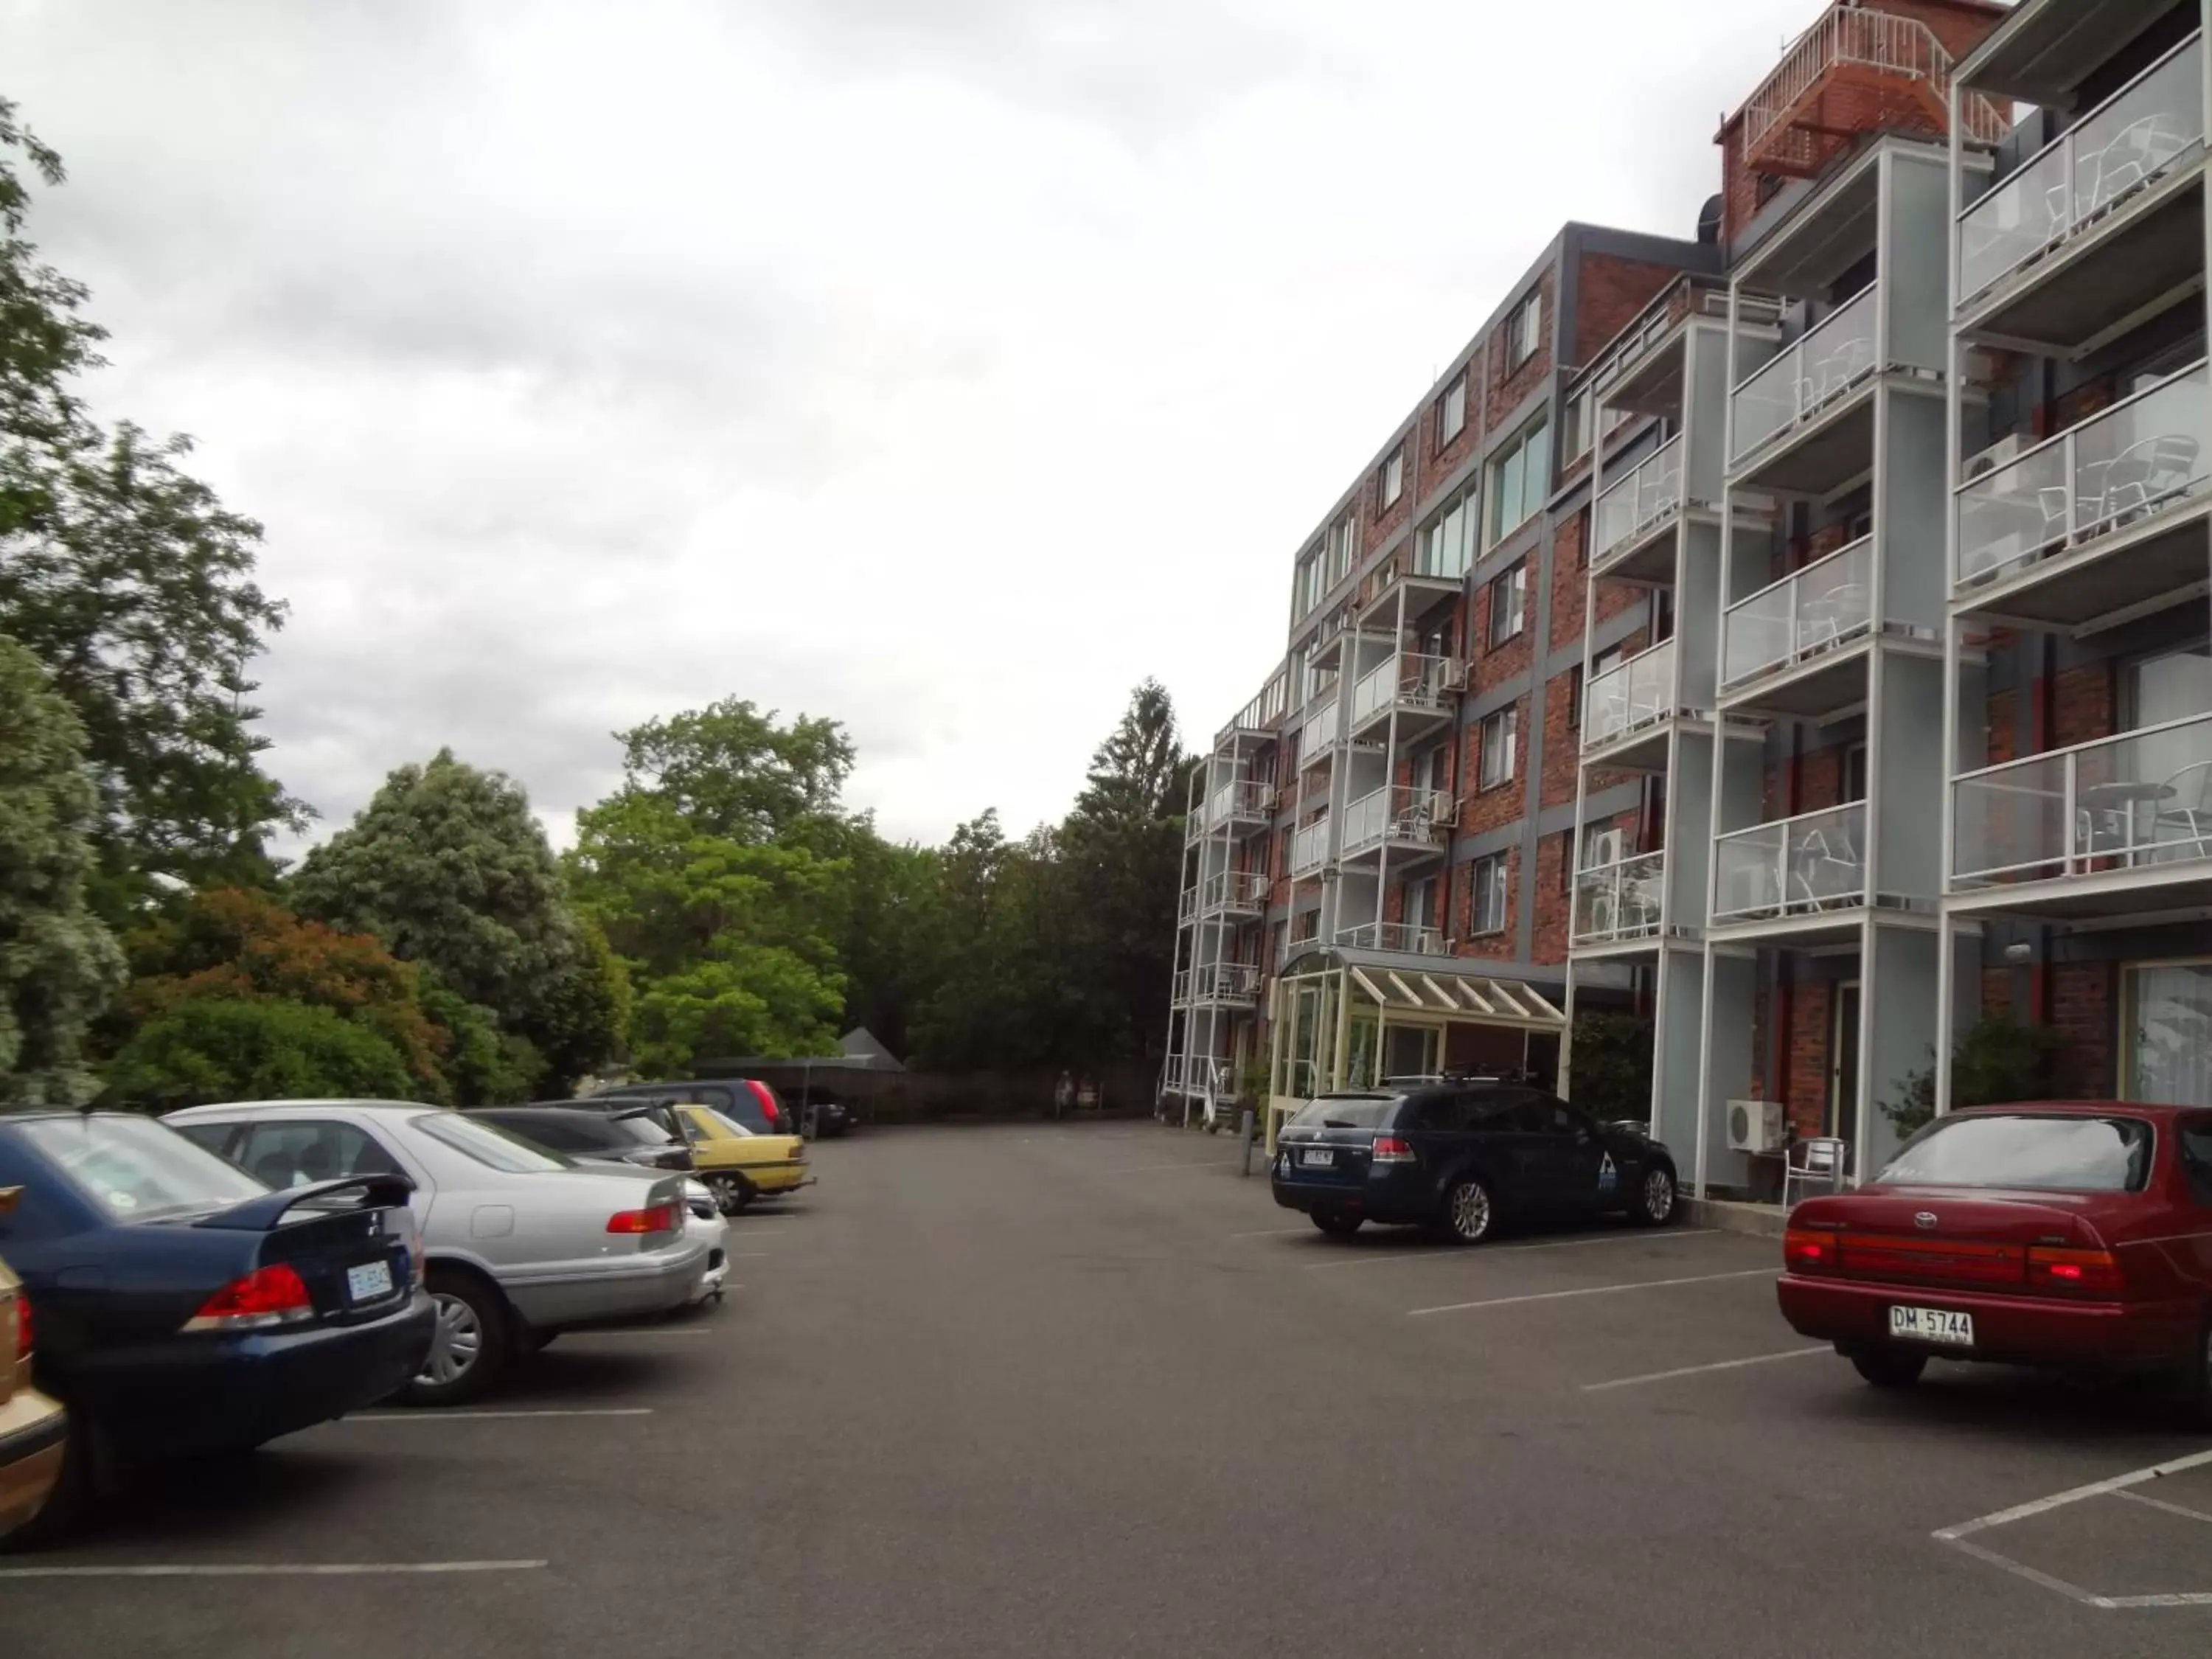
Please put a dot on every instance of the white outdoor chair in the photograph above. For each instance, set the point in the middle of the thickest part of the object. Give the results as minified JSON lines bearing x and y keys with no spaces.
{"x":2146,"y":474}
{"x":1820,"y":1162}
{"x":2189,"y":811}
{"x":2137,"y":155}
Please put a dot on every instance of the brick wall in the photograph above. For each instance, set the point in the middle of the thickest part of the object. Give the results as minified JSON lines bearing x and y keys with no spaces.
{"x":1569,"y":586}
{"x":1508,"y":384}
{"x":1805,"y":1056}
{"x":2083,"y":998}
{"x":1820,"y":782}
{"x":1996,"y":990}
{"x":1495,"y":807}
{"x":1498,"y":947}
{"x":1610,"y":293}
{"x":1438,"y":462}
{"x":2004,"y":727}
{"x":1549,"y":942}
{"x":2085,"y":704}
{"x":1562,"y":741}
{"x":1511,"y":660}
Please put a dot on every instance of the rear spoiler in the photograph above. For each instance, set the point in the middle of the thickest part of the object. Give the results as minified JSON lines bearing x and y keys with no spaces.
{"x":258,"y":1215}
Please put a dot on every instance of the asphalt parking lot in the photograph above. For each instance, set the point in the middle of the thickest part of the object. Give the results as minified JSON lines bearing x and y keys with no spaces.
{"x":1080,"y":1390}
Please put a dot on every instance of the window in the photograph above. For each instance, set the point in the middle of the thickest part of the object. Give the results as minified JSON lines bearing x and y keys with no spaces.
{"x":1447,"y":546}
{"x":1500,"y":733}
{"x":1528,"y":329}
{"x":135,"y":1169}
{"x":1340,"y":539}
{"x":487,"y":1145}
{"x":1451,"y":410}
{"x":1487,"y":910}
{"x":2166,"y":1033}
{"x":1390,"y":482}
{"x":1519,"y":478}
{"x":1855,"y":773}
{"x":1606,"y":660}
{"x":293,"y":1154}
{"x":2173,"y":685}
{"x":1509,"y":604}
{"x":1306,"y":587}
{"x":2049,"y":1153}
{"x":1575,"y":698}
{"x":2195,"y":1137}
{"x":1421,"y":904}
{"x":1349,"y":1112}
{"x":1575,"y":429}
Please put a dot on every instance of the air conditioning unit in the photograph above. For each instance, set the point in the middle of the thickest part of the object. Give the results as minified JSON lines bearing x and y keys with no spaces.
{"x":1444,"y":811}
{"x":1754,"y":1126}
{"x":2003,"y":453}
{"x":1270,"y":798}
{"x":1606,"y":847}
{"x":1455,"y":676}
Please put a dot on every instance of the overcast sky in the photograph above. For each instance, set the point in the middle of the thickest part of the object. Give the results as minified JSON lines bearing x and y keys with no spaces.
{"x":944,"y":366}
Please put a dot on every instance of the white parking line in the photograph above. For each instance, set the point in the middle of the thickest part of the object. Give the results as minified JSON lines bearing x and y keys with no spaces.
{"x":1497,"y":1250}
{"x":650,"y":1330}
{"x":1592,"y":1290}
{"x":478,"y":1417}
{"x":2161,"y":1504}
{"x":1699,"y":1370}
{"x":268,"y":1570}
{"x":1154,"y":1169}
{"x":1272,"y":1232}
{"x":2060,"y":1500}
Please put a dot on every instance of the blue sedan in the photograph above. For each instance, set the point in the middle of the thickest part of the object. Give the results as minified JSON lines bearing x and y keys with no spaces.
{"x":185,"y":1309}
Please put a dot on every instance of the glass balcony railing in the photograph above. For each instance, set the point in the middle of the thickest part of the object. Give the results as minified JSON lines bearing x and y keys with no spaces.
{"x":1309,"y":849}
{"x":1187,"y":906}
{"x":1318,"y":736}
{"x":1401,"y":936}
{"x":1826,"y":602}
{"x":1235,"y":892}
{"x":1239,"y":798}
{"x":1400,"y":816}
{"x":2108,"y":472}
{"x":1805,"y":376}
{"x":1634,"y":694}
{"x":1793,"y":866}
{"x":1297,"y":944}
{"x":1618,"y":901}
{"x":2140,"y":133}
{"x":1639,"y":500}
{"x":1406,"y":681}
{"x":1235,"y":984}
{"x":2140,"y":800}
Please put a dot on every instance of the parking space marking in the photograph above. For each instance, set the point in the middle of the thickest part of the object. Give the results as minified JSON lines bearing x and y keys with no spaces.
{"x":270,"y":1570}
{"x":1449,"y":1254}
{"x":478,"y":1417}
{"x":1272,"y":1232}
{"x":1699,"y":1370}
{"x":1960,"y":1537}
{"x":1592,"y":1289}
{"x":1154,"y":1169}
{"x":651,"y":1330}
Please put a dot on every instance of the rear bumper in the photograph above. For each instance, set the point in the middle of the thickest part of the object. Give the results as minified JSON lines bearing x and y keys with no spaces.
{"x":191,"y":1394}
{"x":2014,"y":1330}
{"x":778,"y":1178}
{"x":609,"y":1293}
{"x":1394,"y":1193}
{"x":33,"y":1433}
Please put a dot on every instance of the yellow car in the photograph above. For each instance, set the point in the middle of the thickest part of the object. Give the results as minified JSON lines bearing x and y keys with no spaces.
{"x":34,"y":1429}
{"x":737,"y":1166}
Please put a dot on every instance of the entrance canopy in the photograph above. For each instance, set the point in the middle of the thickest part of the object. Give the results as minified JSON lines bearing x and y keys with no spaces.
{"x":1493,"y":1001}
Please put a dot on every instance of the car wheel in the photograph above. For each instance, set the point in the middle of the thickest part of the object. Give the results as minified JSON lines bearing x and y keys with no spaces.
{"x":732,"y":1193}
{"x":1468,"y":1211}
{"x":1888,"y":1369}
{"x":469,"y":1346}
{"x":1654,"y":1202}
{"x":1337,"y":1224}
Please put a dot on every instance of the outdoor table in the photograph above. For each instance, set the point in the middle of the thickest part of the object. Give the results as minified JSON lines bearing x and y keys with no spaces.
{"x":2116,"y":799}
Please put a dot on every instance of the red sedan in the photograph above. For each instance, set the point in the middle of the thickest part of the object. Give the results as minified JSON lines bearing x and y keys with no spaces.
{"x":2075,"y":1235}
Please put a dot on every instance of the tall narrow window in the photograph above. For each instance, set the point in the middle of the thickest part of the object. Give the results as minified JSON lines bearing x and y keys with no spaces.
{"x":1527,"y":328}
{"x":1501,"y":734}
{"x":1487,"y":906}
{"x":1451,"y":410}
{"x":1520,"y":478}
{"x":1509,"y":604}
{"x":1390,"y":481}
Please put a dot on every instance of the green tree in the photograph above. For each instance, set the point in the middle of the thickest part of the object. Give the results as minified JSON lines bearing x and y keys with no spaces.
{"x":1994,"y":1063}
{"x":1609,"y":1065}
{"x":133,"y":584}
{"x":215,"y":1048}
{"x":729,"y":771}
{"x":448,"y":866}
{"x":58,"y":965}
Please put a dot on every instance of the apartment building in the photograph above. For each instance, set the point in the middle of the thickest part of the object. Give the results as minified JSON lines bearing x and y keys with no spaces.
{"x":1870,"y":689}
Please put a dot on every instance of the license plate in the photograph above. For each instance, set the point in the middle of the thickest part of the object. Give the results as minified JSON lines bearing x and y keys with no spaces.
{"x":1952,"y":1330}
{"x":370,"y":1281}
{"x":1318,"y":1158}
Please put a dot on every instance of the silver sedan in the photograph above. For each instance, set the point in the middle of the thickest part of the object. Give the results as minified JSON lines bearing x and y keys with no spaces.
{"x":519,"y":1244}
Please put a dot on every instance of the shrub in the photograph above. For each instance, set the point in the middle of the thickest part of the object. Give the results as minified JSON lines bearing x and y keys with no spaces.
{"x":1995,"y":1063}
{"x":213,"y":1048}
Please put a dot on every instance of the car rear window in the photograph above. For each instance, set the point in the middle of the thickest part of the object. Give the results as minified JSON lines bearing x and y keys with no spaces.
{"x":1348,"y":1111}
{"x":136,"y":1170}
{"x":2050,"y":1153}
{"x":488,"y":1145}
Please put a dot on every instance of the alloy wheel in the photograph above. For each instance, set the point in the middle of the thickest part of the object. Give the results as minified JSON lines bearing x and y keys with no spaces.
{"x":729,"y":1196}
{"x":455,"y":1345}
{"x":1658,"y":1195}
{"x":1470,"y":1211}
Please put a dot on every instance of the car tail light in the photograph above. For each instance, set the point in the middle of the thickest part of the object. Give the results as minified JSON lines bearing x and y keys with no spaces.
{"x":275,"y":1295}
{"x":1806,"y":1251}
{"x":766,"y":1096}
{"x":22,"y":1328}
{"x":1391,"y":1149}
{"x":2079,"y":1272}
{"x":798,"y":1152}
{"x":660,"y":1219}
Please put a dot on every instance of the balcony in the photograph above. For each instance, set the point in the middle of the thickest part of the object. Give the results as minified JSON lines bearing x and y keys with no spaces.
{"x":2092,"y":227}
{"x":1617,"y":903}
{"x":1234,"y":895}
{"x":1417,"y":821}
{"x":1626,"y":710}
{"x":1855,"y":72}
{"x":1809,"y":867}
{"x":1317,"y":736}
{"x":1311,"y":850}
{"x":2103,"y":519}
{"x":1241,"y":805}
{"x":2120,"y":824}
{"x":1256,"y":722}
{"x":1633,"y":513}
{"x":1187,"y":907}
{"x":1811,"y":382}
{"x":1401,"y":936}
{"x":1224,"y":985}
{"x":1297,"y":943}
{"x":1781,"y":649}
{"x":1417,"y":690}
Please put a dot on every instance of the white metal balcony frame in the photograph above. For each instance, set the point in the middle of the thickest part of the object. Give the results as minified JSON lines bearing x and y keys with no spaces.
{"x":1399,"y":817}
{"x":2041,"y":491}
{"x":1405,"y":938}
{"x":1225,"y":985}
{"x":2125,"y":831}
{"x":1819,"y":371}
{"x":1318,"y":737}
{"x":1233,"y":893}
{"x":1622,"y":902}
{"x":1629,"y":698}
{"x":1406,"y":683}
{"x":1812,"y":864}
{"x":1637,"y":505}
{"x":1312,"y":849}
{"x":2154,"y":144}
{"x":1812,"y":611}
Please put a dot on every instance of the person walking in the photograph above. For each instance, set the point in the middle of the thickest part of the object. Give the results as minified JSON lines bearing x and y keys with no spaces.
{"x":1063,"y":1096}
